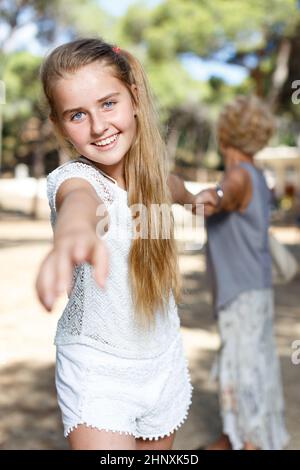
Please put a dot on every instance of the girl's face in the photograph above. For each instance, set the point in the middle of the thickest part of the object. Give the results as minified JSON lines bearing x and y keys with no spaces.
{"x":96,"y":114}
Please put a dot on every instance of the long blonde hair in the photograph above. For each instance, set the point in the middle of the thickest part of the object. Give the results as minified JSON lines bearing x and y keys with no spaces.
{"x":152,"y":261}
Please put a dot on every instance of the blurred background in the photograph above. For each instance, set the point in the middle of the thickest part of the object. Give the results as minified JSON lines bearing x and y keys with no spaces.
{"x":198,"y":55}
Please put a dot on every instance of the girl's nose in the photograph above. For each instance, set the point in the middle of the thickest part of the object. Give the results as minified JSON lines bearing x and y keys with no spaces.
{"x":98,"y":125}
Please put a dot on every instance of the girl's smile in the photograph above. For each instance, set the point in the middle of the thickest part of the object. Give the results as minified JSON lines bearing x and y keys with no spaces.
{"x":107,"y":143}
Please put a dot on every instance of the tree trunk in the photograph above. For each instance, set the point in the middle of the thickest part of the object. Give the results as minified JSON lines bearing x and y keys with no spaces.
{"x":281,"y":72}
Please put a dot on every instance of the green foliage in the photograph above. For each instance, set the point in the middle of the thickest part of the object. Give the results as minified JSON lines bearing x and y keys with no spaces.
{"x":22,"y":103}
{"x":86,"y":18}
{"x":25,"y":129}
{"x":170,"y":92}
{"x":20,"y":76}
{"x":132,"y":26}
{"x":204,"y":27}
{"x":248,"y":33}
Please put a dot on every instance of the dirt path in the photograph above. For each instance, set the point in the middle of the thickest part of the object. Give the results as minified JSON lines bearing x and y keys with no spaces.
{"x":29,"y":414}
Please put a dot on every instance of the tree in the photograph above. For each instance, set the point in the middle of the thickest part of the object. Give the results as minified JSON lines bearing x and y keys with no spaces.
{"x":262,"y":36}
{"x":52,"y":19}
{"x":55,"y":22}
{"x":27,"y":135}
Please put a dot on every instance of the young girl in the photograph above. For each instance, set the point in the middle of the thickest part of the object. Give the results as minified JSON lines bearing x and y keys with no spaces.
{"x":121,"y":375}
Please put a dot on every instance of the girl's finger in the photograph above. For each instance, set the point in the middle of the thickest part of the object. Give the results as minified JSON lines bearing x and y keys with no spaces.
{"x":64,"y":270}
{"x":80,"y":252}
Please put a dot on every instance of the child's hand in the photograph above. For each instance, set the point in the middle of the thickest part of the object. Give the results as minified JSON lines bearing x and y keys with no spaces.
{"x":210,"y":201}
{"x":56,"y":271}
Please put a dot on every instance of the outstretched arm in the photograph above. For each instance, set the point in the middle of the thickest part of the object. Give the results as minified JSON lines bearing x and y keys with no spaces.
{"x":179,"y":193}
{"x":237,"y":191}
{"x":75,"y":241}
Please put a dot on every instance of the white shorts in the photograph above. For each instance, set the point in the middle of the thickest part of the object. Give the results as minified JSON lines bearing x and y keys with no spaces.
{"x":148,"y":398}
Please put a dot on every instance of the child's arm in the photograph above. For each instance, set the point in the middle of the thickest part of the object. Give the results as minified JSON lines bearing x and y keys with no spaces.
{"x":179,"y":193}
{"x":237,"y":190}
{"x":75,"y":241}
{"x":236,"y":187}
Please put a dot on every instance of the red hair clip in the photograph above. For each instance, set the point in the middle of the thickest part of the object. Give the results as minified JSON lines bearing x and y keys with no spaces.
{"x":116,"y":50}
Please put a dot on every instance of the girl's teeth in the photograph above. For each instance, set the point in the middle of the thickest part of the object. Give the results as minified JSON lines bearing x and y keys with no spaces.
{"x":106,"y":141}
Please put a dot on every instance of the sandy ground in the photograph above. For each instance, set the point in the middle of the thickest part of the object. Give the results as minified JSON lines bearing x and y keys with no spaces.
{"x":29,"y":415}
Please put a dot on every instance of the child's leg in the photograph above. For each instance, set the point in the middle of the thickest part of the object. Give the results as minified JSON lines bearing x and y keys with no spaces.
{"x":250,"y":446}
{"x":223,"y":443}
{"x":164,"y":443}
{"x":87,"y":438}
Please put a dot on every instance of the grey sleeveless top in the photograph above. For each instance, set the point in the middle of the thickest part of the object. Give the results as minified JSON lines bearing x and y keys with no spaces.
{"x":238,"y":250}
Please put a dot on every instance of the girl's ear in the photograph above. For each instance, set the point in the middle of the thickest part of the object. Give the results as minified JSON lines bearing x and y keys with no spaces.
{"x":134,"y":91}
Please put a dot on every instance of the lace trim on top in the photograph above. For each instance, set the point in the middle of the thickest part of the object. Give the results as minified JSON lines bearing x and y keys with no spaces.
{"x":75,"y":169}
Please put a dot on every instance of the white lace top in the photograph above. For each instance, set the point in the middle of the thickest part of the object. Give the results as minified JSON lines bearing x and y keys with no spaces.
{"x":104,"y":318}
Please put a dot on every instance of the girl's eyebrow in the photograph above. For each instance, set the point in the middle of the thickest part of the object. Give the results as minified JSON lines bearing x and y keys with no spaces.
{"x":68,"y":111}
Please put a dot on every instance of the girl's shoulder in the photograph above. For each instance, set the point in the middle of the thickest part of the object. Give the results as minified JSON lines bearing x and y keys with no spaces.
{"x":72,"y":166}
{"x":78,"y":169}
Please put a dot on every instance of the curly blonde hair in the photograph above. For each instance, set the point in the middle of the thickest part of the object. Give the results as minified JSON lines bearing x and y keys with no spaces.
{"x":245,"y":124}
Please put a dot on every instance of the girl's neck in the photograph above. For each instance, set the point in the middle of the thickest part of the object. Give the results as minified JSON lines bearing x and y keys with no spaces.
{"x":114,"y":172}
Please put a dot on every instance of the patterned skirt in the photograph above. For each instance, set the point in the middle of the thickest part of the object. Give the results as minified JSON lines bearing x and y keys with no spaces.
{"x":251,"y":398}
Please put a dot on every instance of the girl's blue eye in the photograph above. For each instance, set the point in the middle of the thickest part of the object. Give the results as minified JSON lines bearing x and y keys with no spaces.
{"x":74,"y":116}
{"x":109,"y":103}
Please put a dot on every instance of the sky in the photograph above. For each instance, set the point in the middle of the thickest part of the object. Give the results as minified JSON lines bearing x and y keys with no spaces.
{"x":119,"y":7}
{"x":201,"y":69}
{"x":198,"y":68}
